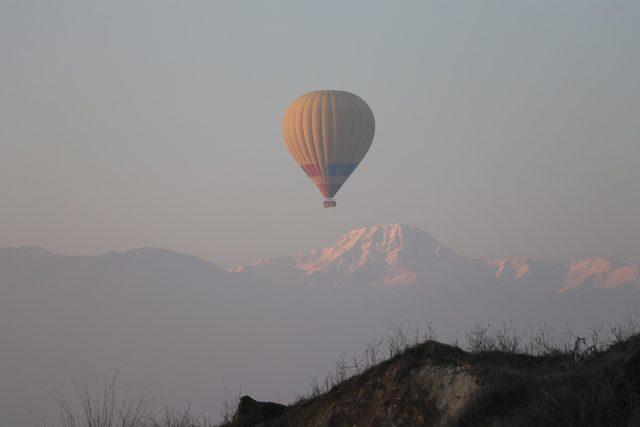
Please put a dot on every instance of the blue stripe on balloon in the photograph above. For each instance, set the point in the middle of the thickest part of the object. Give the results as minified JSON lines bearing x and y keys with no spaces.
{"x":340,"y":169}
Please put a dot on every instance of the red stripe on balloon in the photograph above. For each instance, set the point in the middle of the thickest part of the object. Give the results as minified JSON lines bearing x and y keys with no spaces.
{"x":312,"y":170}
{"x":329,"y":190}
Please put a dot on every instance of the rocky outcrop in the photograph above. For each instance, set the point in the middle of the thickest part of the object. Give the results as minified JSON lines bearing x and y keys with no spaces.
{"x":251,"y":412}
{"x":439,"y":385}
{"x":408,"y":390}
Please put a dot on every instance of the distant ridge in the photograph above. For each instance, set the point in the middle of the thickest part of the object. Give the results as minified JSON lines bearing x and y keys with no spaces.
{"x":394,"y":255}
{"x":24,"y":251}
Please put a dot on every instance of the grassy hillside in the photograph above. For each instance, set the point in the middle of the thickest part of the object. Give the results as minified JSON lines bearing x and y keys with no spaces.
{"x":438,"y":384}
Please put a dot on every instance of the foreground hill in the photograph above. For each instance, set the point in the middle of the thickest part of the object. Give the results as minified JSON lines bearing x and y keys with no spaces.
{"x":440,"y":385}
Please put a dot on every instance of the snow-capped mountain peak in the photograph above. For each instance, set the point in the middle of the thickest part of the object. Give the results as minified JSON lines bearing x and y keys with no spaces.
{"x":366,"y":245}
{"x":384,"y":255}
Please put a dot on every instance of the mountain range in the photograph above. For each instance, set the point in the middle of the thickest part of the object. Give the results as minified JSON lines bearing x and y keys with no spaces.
{"x":396,"y":255}
{"x":196,"y":331}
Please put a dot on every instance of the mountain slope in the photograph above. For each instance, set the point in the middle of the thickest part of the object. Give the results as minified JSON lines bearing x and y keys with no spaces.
{"x":171,"y":321}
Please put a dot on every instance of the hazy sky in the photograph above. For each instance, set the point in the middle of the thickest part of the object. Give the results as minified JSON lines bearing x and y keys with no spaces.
{"x":503,"y":128}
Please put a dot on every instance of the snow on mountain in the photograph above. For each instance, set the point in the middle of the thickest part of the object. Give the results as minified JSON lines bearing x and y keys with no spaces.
{"x":396,"y":255}
{"x":601,"y":273}
{"x":513,"y":268}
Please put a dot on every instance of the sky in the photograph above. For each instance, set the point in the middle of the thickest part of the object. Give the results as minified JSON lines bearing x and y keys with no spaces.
{"x":502,"y":128}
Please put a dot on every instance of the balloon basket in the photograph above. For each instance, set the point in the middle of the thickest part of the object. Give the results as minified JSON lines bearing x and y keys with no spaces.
{"x":329,"y":203}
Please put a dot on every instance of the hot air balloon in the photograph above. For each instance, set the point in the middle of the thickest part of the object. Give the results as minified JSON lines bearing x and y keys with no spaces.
{"x":328,"y":133}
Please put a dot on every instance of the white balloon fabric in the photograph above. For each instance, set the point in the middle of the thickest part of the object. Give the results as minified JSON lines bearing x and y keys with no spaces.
{"x":328,"y":133}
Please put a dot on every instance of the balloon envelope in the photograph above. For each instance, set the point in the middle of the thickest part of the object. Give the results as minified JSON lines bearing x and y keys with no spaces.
{"x":328,"y":133}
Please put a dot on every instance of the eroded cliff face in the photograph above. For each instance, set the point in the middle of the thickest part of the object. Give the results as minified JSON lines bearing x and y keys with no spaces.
{"x":439,"y":385}
{"x":429,"y":394}
{"x":400,"y":392}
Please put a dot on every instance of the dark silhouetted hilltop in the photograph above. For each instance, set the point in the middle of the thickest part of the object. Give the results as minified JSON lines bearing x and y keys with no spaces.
{"x":434,"y":384}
